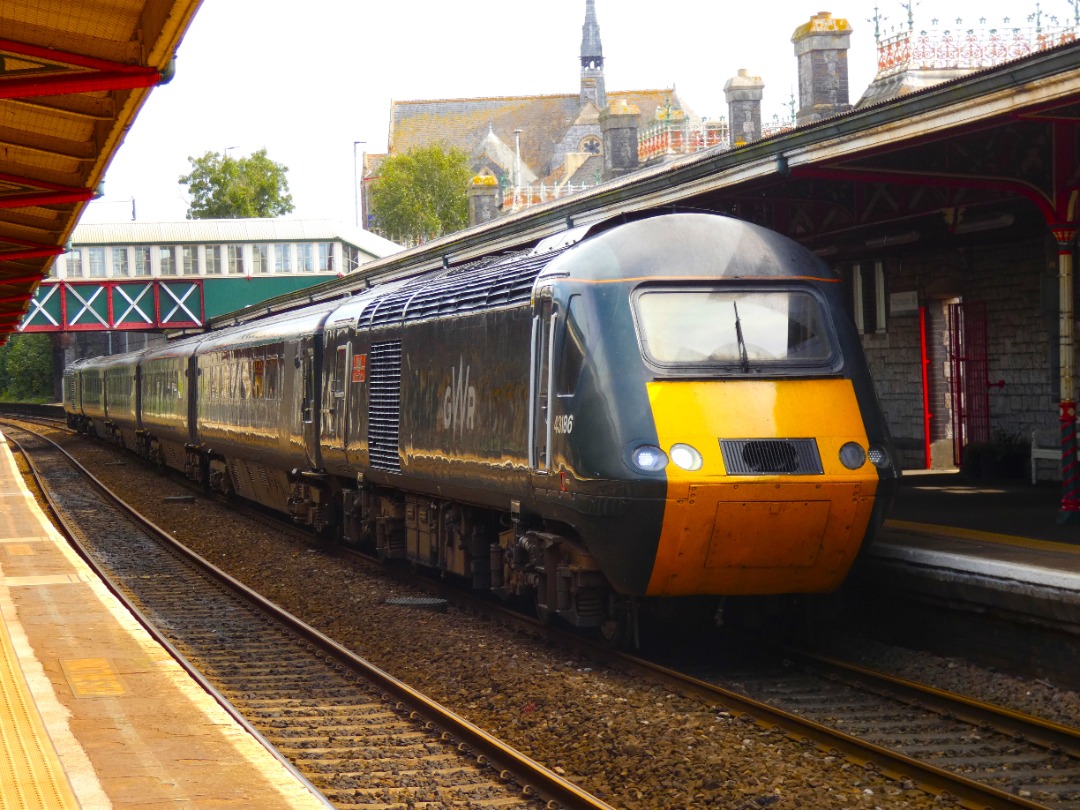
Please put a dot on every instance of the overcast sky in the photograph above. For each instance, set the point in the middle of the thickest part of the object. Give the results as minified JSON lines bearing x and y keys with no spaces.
{"x":305,"y":80}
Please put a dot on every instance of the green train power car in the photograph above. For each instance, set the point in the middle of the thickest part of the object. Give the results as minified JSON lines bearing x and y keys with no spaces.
{"x":674,"y":406}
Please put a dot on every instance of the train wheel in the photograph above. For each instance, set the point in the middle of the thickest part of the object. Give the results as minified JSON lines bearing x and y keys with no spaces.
{"x":619,"y":628}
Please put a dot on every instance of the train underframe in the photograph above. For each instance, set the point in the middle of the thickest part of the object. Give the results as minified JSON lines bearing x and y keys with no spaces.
{"x":508,"y":554}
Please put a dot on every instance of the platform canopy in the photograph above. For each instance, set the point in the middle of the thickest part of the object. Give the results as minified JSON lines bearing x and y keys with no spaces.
{"x":73,"y":76}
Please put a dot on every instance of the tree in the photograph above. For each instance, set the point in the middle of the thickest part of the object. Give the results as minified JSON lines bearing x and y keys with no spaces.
{"x":26,"y":369}
{"x":422,"y":194}
{"x":222,"y":187}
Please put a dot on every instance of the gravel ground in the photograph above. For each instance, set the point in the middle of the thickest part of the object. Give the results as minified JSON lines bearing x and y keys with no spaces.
{"x":630,"y":742}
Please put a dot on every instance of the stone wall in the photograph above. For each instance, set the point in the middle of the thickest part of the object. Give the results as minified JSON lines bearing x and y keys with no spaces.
{"x":1017,"y":283}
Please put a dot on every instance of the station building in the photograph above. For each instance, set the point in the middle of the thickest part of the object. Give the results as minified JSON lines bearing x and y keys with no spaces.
{"x":118,"y":286}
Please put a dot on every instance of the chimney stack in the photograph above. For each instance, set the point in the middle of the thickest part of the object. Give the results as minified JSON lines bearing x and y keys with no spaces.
{"x":619,"y":126}
{"x":743,"y":94}
{"x":483,"y":199}
{"x":821,"y":47}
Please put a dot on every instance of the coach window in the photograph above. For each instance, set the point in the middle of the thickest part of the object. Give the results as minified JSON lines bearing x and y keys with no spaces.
{"x":270,"y":378}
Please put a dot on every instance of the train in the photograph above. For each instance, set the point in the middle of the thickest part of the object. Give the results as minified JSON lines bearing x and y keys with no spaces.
{"x":626,"y":413}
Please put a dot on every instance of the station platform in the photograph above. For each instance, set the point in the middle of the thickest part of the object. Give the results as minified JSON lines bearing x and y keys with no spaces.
{"x":1007,"y":529}
{"x":985,"y":561}
{"x":94,"y":713}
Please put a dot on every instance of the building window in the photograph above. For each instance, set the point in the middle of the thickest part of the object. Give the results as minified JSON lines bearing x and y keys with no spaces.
{"x":282,"y":258}
{"x":190,"y":256}
{"x":326,"y":257}
{"x":120,"y":262}
{"x":352,"y":257}
{"x":305,"y":259}
{"x":142,"y":260}
{"x":97,"y":262}
{"x":235,"y":255}
{"x":73,"y":260}
{"x":167,"y":258}
{"x":213,"y":260}
{"x":260,"y":259}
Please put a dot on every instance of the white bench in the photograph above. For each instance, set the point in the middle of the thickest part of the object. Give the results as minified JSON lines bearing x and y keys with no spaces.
{"x":1049,"y":448}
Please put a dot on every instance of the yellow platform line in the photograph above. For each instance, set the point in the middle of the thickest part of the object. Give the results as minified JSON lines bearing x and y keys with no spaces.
{"x":986,"y":537}
{"x":31,"y":775}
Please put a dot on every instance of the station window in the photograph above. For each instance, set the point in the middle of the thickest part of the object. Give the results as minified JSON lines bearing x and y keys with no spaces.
{"x":282,"y":258}
{"x":236,"y":259}
{"x":97,"y":262}
{"x":305,"y":259}
{"x":73,"y":260}
{"x":326,"y":257}
{"x":212,"y":256}
{"x":260,"y":259}
{"x":167,"y":258}
{"x":190,"y":257}
{"x":142,"y":260}
{"x":120,"y":266}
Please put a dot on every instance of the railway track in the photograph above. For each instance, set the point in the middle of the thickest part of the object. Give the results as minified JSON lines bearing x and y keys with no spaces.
{"x":359,"y":736}
{"x":973,"y":754}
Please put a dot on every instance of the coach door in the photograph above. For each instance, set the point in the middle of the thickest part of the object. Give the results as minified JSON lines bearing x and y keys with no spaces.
{"x":334,"y":404}
{"x":309,"y":404}
{"x":541,"y":381}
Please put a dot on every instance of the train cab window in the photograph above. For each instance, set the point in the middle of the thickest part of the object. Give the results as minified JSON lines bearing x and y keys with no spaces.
{"x":752,"y":330}
{"x":575,"y":341}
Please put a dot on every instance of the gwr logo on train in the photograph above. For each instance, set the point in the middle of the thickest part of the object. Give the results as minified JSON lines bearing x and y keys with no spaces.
{"x":459,"y":401}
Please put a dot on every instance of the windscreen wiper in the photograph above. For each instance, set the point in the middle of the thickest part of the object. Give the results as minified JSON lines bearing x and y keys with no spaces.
{"x":744,"y":358}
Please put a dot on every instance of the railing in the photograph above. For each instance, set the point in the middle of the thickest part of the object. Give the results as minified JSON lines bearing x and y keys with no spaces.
{"x":529,"y":195}
{"x":966,"y":48}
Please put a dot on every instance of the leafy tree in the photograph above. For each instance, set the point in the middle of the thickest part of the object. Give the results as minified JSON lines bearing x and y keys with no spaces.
{"x":422,"y":194}
{"x":26,"y":369}
{"x":222,"y":187}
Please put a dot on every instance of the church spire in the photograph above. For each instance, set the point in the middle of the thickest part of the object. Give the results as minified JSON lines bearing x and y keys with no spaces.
{"x":592,"y":59}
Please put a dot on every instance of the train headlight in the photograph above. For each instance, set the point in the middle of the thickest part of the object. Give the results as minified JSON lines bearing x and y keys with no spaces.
{"x":852,"y":456}
{"x":648,"y":458}
{"x":686,"y":457}
{"x":879,"y":457}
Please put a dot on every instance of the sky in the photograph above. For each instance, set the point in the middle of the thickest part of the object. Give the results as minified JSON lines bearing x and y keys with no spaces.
{"x":308,"y":80}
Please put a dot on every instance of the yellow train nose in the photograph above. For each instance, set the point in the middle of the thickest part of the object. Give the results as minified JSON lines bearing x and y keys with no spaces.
{"x":772,"y":508}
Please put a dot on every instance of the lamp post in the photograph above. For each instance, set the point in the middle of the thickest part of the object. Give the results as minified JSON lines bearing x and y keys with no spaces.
{"x":517,"y":166}
{"x":356,"y":181}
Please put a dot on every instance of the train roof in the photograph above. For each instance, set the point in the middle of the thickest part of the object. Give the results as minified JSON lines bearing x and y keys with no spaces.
{"x":687,"y":245}
{"x":297,"y":323}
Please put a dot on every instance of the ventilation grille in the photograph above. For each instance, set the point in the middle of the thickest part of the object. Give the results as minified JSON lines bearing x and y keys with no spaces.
{"x":384,"y":405}
{"x":771,"y":456}
{"x":484,"y":284}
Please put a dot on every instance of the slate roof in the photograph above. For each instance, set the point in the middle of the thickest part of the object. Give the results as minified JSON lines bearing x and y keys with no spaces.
{"x":464,"y":122}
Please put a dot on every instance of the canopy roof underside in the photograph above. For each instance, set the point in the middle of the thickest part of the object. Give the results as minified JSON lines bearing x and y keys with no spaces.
{"x":72,"y":78}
